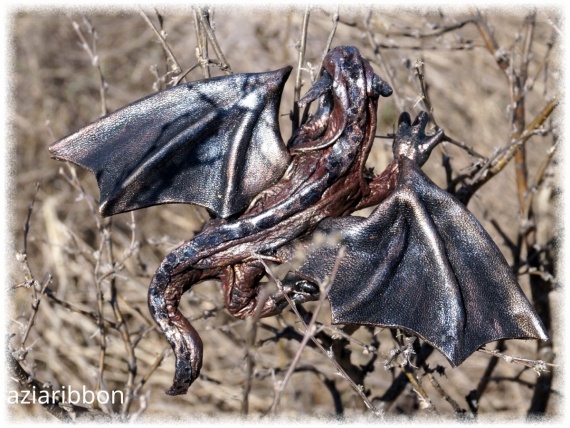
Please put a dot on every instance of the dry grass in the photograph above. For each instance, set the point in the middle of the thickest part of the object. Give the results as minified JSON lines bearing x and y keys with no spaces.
{"x":56,"y":89}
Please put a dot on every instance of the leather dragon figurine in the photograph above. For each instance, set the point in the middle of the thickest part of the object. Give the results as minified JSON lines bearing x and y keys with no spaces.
{"x":421,"y":262}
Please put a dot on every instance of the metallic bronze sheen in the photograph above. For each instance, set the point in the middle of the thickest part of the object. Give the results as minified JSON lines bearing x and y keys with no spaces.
{"x":420,"y":262}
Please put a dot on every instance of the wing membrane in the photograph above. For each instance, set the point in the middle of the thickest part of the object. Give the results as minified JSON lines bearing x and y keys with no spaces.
{"x":214,"y":143}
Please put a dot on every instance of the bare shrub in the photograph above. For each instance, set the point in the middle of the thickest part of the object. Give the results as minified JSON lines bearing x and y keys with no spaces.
{"x":78,"y":313}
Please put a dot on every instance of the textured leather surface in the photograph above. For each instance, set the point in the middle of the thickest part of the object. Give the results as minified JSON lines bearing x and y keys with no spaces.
{"x":423,"y":263}
{"x":215,"y":143}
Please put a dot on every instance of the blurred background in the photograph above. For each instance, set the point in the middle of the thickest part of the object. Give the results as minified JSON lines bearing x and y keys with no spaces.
{"x":78,"y":314}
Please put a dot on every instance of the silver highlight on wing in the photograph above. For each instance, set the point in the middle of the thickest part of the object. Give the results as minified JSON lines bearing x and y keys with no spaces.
{"x":214,"y":143}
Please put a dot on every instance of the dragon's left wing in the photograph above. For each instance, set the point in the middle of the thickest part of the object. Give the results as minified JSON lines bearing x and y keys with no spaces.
{"x":214,"y":143}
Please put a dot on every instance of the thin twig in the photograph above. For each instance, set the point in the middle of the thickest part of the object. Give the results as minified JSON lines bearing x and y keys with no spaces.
{"x":538,"y":179}
{"x":320,"y":67}
{"x":463,"y":146}
{"x":498,"y":162}
{"x":28,"y":218}
{"x":300,"y":61}
{"x":419,"y":70}
{"x":456,"y":408}
{"x":155,"y":365}
{"x":502,"y":59}
{"x":175,"y":66}
{"x":249,"y":343}
{"x":184,"y":74}
{"x":425,"y":402}
{"x":518,"y":83}
{"x":202,"y":43}
{"x":204,"y":16}
{"x":436,"y":32}
{"x":22,"y":257}
{"x":85,"y":196}
{"x":36,"y":299}
{"x":505,"y":155}
{"x":465,"y":46}
{"x":537,"y":365}
{"x":122,"y":325}
{"x":366,"y":348}
{"x":100,"y":304}
{"x":92,"y":52}
{"x":542,"y":66}
{"x":335,"y":19}
{"x":91,"y":315}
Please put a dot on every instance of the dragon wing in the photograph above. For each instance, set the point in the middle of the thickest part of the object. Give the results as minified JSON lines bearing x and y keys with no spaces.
{"x":214,"y":143}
